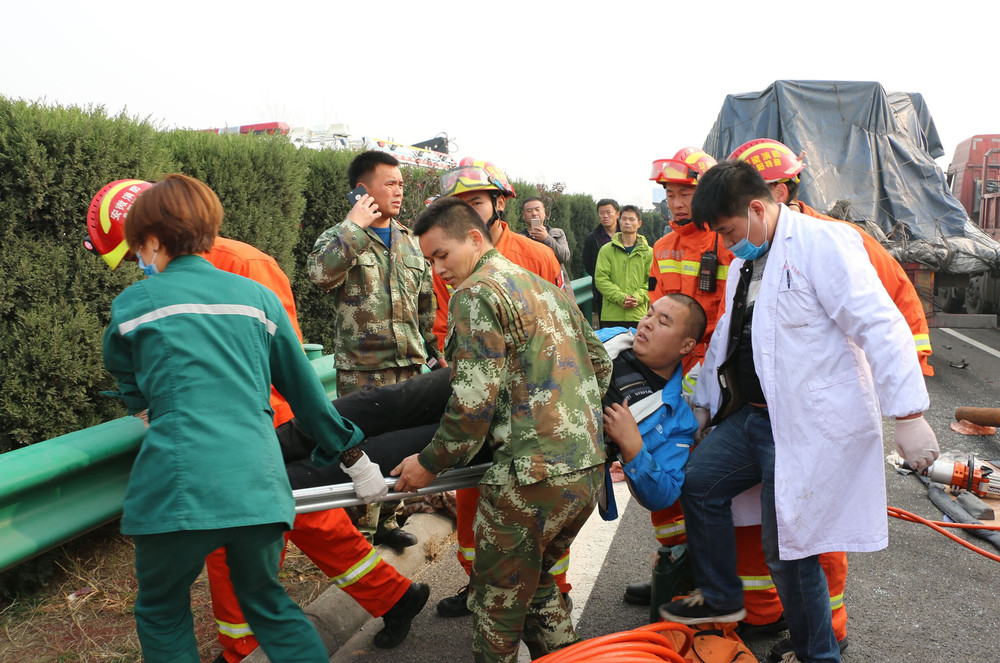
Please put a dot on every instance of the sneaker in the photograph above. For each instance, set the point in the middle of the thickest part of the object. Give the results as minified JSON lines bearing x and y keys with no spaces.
{"x":783,"y":652}
{"x":693,"y":610}
{"x":397,"y":621}
{"x":745,"y":630}
{"x":455,"y":606}
{"x":639,"y":593}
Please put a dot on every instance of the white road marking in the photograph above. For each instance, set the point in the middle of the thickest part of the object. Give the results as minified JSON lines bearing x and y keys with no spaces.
{"x":974,"y":343}
{"x":587,"y":555}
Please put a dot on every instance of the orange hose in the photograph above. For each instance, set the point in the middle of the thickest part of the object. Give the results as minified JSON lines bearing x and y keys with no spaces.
{"x":940,"y":528}
{"x":646,"y":643}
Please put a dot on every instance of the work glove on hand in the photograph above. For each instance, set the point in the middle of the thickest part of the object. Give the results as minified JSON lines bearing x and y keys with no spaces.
{"x":702,"y":415}
{"x":367,"y":477}
{"x":916,"y":442}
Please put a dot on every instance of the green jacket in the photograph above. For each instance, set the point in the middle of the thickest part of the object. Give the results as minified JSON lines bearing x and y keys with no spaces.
{"x":385,"y":298}
{"x":527,"y":376}
{"x":199,"y":348}
{"x":619,"y":273}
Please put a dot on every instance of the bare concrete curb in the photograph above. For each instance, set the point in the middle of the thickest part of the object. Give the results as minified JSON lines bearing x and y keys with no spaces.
{"x":337,"y":617}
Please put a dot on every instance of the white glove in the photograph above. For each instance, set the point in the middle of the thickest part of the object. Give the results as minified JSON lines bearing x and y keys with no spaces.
{"x":916,"y":442}
{"x":367,"y":477}
{"x":702,"y":415}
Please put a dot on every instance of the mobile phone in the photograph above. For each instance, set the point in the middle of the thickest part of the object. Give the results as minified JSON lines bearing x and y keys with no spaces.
{"x":707,"y":271}
{"x":534,"y":223}
{"x":355,"y":195}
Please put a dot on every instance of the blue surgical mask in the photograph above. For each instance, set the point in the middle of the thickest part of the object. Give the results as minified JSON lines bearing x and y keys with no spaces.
{"x":746,"y":249}
{"x":149,"y":269}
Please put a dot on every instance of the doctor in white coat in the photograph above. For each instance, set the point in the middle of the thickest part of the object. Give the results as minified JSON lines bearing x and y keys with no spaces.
{"x":818,"y":354}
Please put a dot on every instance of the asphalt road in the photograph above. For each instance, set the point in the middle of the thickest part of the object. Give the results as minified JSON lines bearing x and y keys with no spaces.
{"x":924,"y":599}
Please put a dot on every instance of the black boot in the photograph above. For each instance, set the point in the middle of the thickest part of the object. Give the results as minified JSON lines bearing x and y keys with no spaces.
{"x":639,"y":593}
{"x":455,"y":606}
{"x":397,"y":620}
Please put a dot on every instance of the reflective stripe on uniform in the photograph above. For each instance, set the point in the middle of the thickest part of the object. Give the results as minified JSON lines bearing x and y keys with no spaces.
{"x":467,"y":553}
{"x":836,"y":602}
{"x":359,"y":570}
{"x":669,"y":266}
{"x":923,"y":342}
{"x":198,"y":309}
{"x":689,"y":382}
{"x":234,"y":631}
{"x":561,"y":566}
{"x":756,"y":583}
{"x":669,"y":529}
{"x":689,"y":267}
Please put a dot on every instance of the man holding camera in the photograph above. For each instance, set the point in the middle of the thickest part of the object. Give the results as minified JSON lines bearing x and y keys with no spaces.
{"x":534,"y":217}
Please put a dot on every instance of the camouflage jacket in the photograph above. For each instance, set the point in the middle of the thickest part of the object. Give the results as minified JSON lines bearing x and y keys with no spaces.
{"x":527,"y":378}
{"x":385,"y":301}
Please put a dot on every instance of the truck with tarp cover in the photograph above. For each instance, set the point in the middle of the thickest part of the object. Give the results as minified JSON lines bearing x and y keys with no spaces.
{"x":869,"y":158}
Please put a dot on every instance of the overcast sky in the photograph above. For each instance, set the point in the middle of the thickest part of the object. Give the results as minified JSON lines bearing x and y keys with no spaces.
{"x":586,"y":93}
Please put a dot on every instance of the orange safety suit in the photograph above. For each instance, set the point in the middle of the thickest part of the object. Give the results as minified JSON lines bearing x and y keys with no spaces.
{"x":538,"y":258}
{"x":896,"y":283}
{"x":328,"y":538}
{"x":676,"y":261}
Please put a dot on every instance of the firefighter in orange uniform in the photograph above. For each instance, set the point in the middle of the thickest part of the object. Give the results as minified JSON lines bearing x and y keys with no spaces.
{"x":679,"y":258}
{"x":780,"y":168}
{"x":485,"y":187}
{"x":328,"y":538}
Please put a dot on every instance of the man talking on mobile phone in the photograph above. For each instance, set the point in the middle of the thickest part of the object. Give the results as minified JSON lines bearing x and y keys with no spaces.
{"x":385,"y":305}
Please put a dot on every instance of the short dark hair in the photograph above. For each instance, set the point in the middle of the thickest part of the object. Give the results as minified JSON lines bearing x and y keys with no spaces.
{"x":364,"y":165}
{"x":725,"y":190}
{"x":608,"y":201}
{"x":453,"y":216}
{"x":793,"y":189}
{"x":531,"y":200}
{"x":697,"y":321}
{"x":633,"y":209}
{"x":182,"y":212}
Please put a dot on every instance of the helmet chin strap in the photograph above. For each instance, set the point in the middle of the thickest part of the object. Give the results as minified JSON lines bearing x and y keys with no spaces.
{"x":497,"y":216}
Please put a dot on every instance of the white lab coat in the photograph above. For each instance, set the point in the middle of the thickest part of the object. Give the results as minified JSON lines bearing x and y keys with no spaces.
{"x":823,"y":326}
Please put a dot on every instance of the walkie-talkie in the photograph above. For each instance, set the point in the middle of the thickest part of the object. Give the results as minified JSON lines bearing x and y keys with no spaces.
{"x":709,"y":268}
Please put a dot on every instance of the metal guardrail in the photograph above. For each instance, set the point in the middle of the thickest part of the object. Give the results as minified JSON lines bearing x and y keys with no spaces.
{"x":53,"y":491}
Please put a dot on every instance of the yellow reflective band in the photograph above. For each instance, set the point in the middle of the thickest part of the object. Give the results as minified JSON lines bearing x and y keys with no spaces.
{"x":235,"y":631}
{"x":757,"y":583}
{"x":561,"y":566}
{"x":669,"y":266}
{"x":723,"y":272}
{"x":836,"y":602}
{"x":467,"y":553}
{"x":669,"y":529}
{"x":923,"y":342}
{"x":690,"y":267}
{"x":359,"y":570}
{"x":688,"y":385}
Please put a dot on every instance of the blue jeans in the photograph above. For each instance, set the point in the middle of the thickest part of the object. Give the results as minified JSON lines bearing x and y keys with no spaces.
{"x":737,"y":455}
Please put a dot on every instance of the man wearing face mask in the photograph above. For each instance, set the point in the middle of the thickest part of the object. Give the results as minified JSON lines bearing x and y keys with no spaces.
{"x":808,"y":341}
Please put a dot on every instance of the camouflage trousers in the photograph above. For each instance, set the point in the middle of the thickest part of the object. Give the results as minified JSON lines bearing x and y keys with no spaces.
{"x":521,"y":532}
{"x":368,"y":518}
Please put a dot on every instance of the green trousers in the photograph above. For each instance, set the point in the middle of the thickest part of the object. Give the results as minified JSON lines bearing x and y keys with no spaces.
{"x":167,"y":564}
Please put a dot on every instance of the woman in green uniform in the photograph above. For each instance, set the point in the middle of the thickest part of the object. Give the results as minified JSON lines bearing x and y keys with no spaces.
{"x":199,"y":348}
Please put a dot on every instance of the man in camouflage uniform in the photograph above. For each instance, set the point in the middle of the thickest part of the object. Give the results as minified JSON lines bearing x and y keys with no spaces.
{"x":528,"y":374}
{"x":372,"y":265}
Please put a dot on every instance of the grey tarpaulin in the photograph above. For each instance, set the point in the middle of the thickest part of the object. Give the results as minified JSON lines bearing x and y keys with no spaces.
{"x":872,"y":148}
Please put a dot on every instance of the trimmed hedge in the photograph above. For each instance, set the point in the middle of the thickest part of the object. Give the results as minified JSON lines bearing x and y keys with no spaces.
{"x":55,"y":297}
